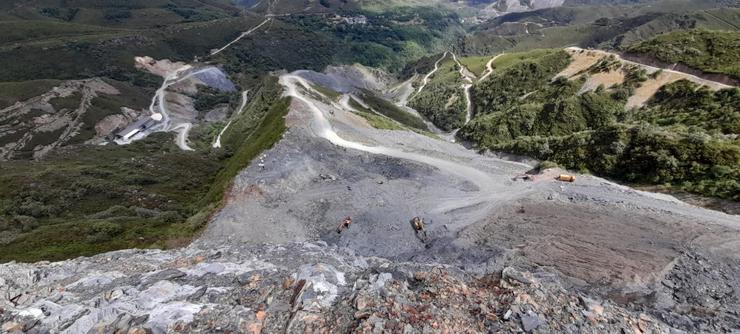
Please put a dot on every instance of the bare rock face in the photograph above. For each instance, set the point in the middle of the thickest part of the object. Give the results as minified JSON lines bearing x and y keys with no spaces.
{"x":526,"y":5}
{"x":502,"y":7}
{"x":294,"y":288}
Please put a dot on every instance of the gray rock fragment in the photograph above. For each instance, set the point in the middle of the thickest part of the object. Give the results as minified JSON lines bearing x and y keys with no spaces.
{"x":530,"y":321}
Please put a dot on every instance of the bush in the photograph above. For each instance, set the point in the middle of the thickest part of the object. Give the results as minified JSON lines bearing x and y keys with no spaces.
{"x":102,"y":231}
{"x":170,"y":217}
{"x":546,"y":165}
{"x":24,"y":223}
{"x":114,"y":211}
{"x":709,"y":51}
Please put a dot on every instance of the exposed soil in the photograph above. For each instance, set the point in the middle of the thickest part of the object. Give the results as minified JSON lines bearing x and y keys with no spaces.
{"x":604,"y":238}
{"x":584,"y":59}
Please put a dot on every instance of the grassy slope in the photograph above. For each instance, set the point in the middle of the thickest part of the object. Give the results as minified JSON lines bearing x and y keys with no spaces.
{"x":390,"y":110}
{"x":527,"y":71}
{"x":12,"y":92}
{"x":709,"y":51}
{"x":375,"y":120}
{"x":476,"y":65}
{"x":66,"y":196}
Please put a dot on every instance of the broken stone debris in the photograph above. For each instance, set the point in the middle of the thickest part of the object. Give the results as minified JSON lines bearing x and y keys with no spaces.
{"x":293,"y":288}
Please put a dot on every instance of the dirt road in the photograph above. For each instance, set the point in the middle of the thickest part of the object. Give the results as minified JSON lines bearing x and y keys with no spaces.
{"x":425,"y":81}
{"x":468,"y":78}
{"x":242,"y":105}
{"x":489,"y":68}
{"x":244,"y":34}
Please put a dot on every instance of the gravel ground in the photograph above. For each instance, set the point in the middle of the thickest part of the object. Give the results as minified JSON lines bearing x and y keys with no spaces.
{"x":601,"y":237}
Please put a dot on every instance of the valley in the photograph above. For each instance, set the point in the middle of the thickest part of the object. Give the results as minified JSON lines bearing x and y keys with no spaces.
{"x":353,"y":166}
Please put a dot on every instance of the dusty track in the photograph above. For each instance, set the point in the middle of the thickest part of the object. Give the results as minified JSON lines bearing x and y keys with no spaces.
{"x":426,"y":78}
{"x":242,"y":105}
{"x":489,"y":68}
{"x":244,"y":34}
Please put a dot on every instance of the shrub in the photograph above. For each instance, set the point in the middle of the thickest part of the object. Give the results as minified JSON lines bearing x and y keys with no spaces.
{"x":24,"y":223}
{"x":101,"y":231}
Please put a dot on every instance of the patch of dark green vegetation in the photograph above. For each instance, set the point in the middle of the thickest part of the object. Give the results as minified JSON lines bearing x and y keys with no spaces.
{"x":392,"y":111}
{"x":92,"y":199}
{"x":71,"y":51}
{"x":85,"y":200}
{"x":209,"y":98}
{"x":12,"y":92}
{"x":442,"y":101}
{"x":421,"y":66}
{"x":682,"y":104}
{"x":705,"y":50}
{"x":128,"y":14}
{"x":285,"y":46}
{"x":503,"y":90}
{"x":66,"y":103}
{"x":40,"y":138}
{"x":387,"y":40}
{"x":684,"y":138}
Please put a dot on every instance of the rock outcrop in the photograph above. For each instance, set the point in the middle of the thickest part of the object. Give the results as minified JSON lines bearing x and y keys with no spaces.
{"x":294,"y":288}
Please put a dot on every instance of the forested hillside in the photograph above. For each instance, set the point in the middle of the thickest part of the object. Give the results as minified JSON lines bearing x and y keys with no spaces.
{"x":443,"y":100}
{"x":684,"y":137}
{"x":706,"y":50}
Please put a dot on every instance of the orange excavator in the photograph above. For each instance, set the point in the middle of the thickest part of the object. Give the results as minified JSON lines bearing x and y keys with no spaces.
{"x":566,"y":178}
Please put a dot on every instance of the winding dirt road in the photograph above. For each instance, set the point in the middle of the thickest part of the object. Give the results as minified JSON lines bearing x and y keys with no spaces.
{"x":159,"y":106}
{"x":244,"y":34}
{"x":489,"y":68}
{"x":322,"y":128}
{"x":466,"y":88}
{"x":245,"y":99}
{"x":425,"y":81}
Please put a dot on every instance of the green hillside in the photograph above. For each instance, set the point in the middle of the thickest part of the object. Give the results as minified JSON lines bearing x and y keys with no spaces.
{"x":90,"y":199}
{"x":596,"y":26}
{"x":443,"y":101}
{"x":685,"y":137}
{"x":709,"y":51}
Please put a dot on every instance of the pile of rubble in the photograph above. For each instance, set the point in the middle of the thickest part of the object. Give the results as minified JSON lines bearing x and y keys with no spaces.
{"x":294,"y":288}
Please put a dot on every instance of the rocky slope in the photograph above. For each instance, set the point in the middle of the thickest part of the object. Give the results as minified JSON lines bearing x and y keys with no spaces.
{"x":292,"y":288}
